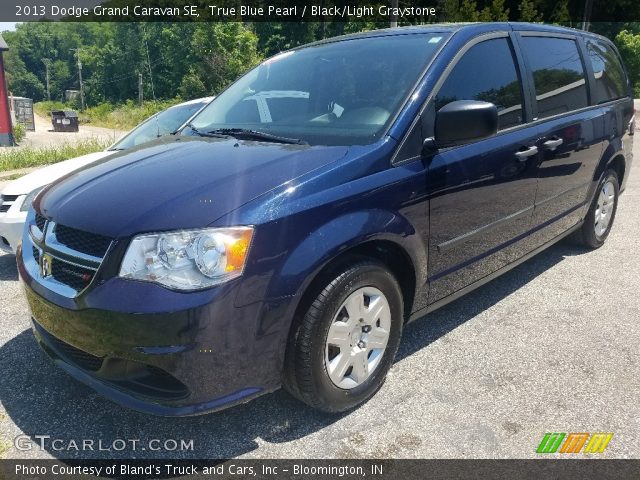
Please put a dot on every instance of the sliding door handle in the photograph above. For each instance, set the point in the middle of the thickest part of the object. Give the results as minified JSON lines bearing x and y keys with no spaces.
{"x":523,"y":155}
{"x":553,"y":144}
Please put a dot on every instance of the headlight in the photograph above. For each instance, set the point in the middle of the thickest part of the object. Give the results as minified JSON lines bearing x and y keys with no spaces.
{"x":26,"y":205}
{"x":188,"y":259}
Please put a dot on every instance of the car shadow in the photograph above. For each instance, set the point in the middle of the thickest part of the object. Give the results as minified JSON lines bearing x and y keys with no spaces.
{"x":434,"y":325}
{"x":8,"y":269}
{"x":42,"y":400}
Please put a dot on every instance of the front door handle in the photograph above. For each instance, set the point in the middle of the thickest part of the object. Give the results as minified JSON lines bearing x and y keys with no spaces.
{"x":553,"y":144}
{"x":523,"y":155}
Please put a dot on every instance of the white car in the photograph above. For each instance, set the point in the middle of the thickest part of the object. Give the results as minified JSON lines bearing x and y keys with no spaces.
{"x":17,"y":196}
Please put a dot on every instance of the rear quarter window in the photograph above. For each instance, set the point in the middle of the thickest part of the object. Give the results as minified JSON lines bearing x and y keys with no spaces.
{"x":558,"y":74}
{"x":610,"y":79}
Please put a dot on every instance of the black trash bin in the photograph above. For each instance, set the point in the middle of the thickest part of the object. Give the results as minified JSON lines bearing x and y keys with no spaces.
{"x":64,"y":121}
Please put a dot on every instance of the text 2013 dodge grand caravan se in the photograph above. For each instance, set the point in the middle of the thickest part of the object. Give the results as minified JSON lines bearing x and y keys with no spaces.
{"x":330,"y":195}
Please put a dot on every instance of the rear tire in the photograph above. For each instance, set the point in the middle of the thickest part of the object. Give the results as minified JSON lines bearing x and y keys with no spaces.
{"x":602,"y":212}
{"x":342,"y":348}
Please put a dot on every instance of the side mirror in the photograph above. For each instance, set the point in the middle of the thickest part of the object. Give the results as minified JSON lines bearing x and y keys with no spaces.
{"x":465,"y":121}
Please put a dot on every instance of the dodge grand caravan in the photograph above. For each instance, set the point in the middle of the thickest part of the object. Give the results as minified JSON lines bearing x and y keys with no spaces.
{"x":250,"y":251}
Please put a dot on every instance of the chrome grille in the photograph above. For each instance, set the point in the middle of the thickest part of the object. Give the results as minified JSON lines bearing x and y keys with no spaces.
{"x":65,"y":259}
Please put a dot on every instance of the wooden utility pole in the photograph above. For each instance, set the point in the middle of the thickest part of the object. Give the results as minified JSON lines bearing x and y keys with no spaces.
{"x":47,"y":62}
{"x":586,"y":18}
{"x":394,"y":17}
{"x":146,"y":44}
{"x":77,"y":51}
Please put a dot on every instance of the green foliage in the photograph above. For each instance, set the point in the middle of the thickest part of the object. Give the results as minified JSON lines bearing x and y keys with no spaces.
{"x":560,"y":13}
{"x":528,"y":12}
{"x":126,"y":115}
{"x":120,"y":117}
{"x":629,"y":46}
{"x":20,"y":80}
{"x":113,"y":55}
{"x":494,"y":12}
{"x":45,"y":108}
{"x":19,"y":132}
{"x":192,"y":85}
{"x":193,"y":59}
{"x":14,"y":158}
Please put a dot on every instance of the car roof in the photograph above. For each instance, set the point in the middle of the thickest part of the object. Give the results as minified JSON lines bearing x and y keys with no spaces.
{"x":480,"y":27}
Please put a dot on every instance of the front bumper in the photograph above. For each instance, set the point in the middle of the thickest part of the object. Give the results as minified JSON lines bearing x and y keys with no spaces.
{"x":158,"y":351}
{"x":11,"y":227}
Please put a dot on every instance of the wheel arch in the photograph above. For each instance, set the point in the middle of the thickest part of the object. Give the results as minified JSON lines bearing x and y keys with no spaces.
{"x":612,"y":157}
{"x":389,"y":253}
{"x":619,"y":164}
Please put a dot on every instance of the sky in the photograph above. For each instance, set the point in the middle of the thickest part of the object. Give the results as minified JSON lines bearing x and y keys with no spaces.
{"x":4,"y":26}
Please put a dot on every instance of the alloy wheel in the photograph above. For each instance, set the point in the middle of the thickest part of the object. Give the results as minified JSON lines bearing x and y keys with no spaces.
{"x":604,"y":208}
{"x":357,"y":337}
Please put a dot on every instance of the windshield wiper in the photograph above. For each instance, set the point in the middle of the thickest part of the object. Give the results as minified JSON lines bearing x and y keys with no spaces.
{"x":243,"y":133}
{"x":205,"y":134}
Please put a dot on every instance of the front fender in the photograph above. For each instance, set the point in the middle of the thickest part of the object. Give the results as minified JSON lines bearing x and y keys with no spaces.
{"x":340,"y":235}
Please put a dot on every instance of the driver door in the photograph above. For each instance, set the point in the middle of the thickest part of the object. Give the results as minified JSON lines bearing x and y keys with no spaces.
{"x":481,"y":194}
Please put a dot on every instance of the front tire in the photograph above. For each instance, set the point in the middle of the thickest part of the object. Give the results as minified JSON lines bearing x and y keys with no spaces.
{"x":599,"y":220}
{"x":342,"y":348}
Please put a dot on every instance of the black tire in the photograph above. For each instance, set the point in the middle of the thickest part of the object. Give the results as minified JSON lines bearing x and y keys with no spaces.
{"x":305,"y":374}
{"x":587,"y":235}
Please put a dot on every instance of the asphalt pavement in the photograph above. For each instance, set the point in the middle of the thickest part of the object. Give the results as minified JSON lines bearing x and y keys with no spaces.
{"x":551,"y":346}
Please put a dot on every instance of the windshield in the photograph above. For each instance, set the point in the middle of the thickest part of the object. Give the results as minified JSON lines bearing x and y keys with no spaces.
{"x":162,"y":123}
{"x":342,"y":93}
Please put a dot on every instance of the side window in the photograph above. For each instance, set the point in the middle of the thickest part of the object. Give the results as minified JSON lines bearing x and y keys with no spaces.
{"x":611,"y":81}
{"x":558,"y":74}
{"x":486,"y":72}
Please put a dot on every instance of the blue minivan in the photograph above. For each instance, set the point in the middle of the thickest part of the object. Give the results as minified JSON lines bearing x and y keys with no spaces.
{"x":337,"y":191}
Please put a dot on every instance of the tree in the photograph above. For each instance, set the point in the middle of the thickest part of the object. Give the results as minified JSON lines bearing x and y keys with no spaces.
{"x":629,"y":47}
{"x":560,"y":13}
{"x":494,"y":12}
{"x":192,"y":86}
{"x":20,"y":81}
{"x":528,"y":12}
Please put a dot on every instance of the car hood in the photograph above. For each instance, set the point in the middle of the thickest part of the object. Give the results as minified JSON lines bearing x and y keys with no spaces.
{"x":175,"y":183}
{"x":43,"y":176}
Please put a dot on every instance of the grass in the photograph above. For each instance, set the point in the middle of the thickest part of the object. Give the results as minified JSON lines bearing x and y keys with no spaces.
{"x":12,"y":159}
{"x":4,"y":447}
{"x":121,"y":117}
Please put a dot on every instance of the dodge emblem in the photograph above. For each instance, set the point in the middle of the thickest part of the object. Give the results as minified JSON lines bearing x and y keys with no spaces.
{"x":46,"y":264}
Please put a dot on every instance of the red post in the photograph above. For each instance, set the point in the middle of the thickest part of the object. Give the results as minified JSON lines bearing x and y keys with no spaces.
{"x":6,"y":133}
